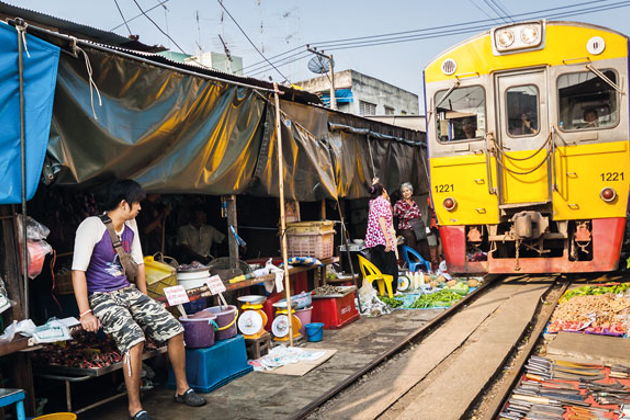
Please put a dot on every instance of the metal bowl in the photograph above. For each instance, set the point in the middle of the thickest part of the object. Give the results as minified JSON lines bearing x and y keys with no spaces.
{"x":252,"y":299}
{"x":282,"y":304}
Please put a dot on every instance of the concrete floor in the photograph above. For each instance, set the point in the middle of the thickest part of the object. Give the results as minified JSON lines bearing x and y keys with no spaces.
{"x":264,"y":396}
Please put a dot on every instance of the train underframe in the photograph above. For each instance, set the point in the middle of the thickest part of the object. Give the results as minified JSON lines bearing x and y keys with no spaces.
{"x":531,"y":242}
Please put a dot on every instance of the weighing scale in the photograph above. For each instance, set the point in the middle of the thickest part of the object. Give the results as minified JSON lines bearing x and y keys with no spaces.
{"x":280,"y":324}
{"x":253,"y":319}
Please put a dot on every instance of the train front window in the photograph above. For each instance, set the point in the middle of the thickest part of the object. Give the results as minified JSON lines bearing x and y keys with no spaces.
{"x":461,"y":113}
{"x":522,"y":110}
{"x":586,"y":101}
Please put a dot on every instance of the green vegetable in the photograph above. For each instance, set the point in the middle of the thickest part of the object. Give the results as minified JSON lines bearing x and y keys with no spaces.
{"x":598,"y":289}
{"x":444,"y":297}
{"x":460,"y":288}
{"x":393,"y":302}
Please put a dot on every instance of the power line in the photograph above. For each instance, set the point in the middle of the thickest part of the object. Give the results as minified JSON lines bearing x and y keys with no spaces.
{"x":386,"y":38}
{"x":480,"y":9}
{"x":250,"y":41}
{"x":456,"y":25}
{"x":502,"y":8}
{"x":158,"y":27}
{"x":139,"y":15}
{"x":122,"y":16}
{"x":457,"y":29}
{"x":496,"y":11}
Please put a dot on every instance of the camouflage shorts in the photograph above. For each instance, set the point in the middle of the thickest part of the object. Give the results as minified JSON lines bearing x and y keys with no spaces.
{"x":127,"y":314}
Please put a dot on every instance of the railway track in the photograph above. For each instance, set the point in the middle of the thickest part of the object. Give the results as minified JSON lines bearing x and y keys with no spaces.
{"x":454,"y":366}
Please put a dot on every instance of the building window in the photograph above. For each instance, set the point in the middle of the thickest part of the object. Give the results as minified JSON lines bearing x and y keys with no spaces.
{"x":389,"y":110}
{"x":367,"y":108}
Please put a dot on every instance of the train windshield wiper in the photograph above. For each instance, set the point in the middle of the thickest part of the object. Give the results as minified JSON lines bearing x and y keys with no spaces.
{"x":602,"y":76}
{"x":448,"y":93}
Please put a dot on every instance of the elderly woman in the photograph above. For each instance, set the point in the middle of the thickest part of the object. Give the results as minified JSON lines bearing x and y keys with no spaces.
{"x":380,"y":236}
{"x":410,"y":223}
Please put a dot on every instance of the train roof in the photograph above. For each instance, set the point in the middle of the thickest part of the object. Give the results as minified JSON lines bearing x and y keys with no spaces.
{"x":556,"y":43}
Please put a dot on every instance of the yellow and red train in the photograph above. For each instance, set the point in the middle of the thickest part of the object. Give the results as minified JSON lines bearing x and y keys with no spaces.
{"x":528,"y":130}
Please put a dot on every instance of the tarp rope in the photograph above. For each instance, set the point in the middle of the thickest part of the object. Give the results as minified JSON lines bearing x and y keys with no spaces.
{"x":88,"y":66}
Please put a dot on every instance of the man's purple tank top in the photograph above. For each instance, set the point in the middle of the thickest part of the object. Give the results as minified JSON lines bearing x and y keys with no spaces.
{"x":105,"y":273}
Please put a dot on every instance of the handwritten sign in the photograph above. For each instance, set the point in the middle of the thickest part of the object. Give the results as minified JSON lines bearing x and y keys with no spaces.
{"x":176,"y":295}
{"x":215,"y":285}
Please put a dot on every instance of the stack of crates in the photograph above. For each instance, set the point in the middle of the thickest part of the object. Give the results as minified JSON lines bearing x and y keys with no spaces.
{"x":311,"y":239}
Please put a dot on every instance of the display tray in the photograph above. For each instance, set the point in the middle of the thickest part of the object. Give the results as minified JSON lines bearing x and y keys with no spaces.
{"x":345,"y":290}
{"x":75,"y":371}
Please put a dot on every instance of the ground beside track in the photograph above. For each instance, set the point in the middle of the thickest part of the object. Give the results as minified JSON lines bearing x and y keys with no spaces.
{"x":441,"y":376}
{"x":264,"y":396}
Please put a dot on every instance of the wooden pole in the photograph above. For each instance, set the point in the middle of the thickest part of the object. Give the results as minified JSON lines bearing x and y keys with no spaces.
{"x":283,"y":222}
{"x":232,"y":220}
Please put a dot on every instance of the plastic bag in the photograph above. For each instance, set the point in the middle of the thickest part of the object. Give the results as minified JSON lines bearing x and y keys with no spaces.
{"x":35,"y":231}
{"x":25,"y":327}
{"x":37,"y":251}
{"x":52,"y":331}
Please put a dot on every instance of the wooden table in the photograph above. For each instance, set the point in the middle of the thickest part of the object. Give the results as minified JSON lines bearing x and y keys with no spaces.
{"x":202,"y":291}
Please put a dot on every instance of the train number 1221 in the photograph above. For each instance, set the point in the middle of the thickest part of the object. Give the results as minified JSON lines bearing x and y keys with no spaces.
{"x":611,"y":176}
{"x":444,"y":188}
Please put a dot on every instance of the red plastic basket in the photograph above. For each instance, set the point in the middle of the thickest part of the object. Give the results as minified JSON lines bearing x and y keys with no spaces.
{"x":335,"y":312}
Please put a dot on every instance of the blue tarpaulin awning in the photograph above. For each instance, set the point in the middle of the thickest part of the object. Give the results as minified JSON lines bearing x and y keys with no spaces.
{"x":40,"y":73}
{"x":343,"y":96}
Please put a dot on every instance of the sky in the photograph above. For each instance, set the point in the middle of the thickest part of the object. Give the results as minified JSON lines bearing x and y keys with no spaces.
{"x":276,"y":26}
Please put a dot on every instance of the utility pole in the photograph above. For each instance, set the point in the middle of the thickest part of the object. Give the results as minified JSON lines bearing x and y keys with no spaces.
{"x":331,"y":69}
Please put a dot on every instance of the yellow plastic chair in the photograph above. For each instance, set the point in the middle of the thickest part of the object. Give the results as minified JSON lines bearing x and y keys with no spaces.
{"x":370,"y":273}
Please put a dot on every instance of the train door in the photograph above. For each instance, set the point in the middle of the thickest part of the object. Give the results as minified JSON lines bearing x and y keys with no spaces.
{"x":522,"y":138}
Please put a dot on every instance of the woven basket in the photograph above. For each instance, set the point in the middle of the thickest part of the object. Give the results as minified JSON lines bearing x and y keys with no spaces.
{"x":317,"y":245}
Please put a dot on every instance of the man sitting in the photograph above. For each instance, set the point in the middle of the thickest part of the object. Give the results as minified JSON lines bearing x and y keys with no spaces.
{"x":107,"y":299}
{"x":195,"y":239}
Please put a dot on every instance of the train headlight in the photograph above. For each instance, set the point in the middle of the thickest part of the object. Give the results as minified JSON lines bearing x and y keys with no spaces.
{"x":608,"y":194}
{"x":518,"y":36}
{"x":449,"y":203}
{"x":505,"y":38}
{"x":530,"y":35}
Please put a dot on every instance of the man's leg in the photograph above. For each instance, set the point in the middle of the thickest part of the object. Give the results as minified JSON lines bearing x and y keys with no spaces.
{"x":133,"y":378}
{"x":118,"y":322}
{"x":177,"y":356}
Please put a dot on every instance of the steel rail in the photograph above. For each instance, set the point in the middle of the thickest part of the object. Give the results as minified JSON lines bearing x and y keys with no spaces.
{"x":405,"y":343}
{"x":514,"y":375}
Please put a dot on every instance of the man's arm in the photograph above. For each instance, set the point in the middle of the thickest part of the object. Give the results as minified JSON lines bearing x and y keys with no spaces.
{"x":88,"y":321}
{"x":141,"y":279}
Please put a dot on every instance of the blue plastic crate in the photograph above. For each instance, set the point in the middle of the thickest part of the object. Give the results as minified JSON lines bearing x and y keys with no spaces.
{"x":210,"y":368}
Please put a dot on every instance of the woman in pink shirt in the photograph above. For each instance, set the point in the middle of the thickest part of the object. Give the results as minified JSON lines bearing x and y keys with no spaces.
{"x":379,"y":237}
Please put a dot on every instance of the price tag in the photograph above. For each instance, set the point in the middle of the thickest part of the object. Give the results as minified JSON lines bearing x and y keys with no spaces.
{"x":176,"y":295}
{"x":215,"y":285}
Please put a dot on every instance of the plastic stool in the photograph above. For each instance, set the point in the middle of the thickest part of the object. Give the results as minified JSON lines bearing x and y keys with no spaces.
{"x":10,"y":396}
{"x":408,"y":252}
{"x":370,"y":273}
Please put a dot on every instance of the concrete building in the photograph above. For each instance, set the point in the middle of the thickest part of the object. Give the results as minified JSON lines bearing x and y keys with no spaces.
{"x":217,"y":61}
{"x":413,"y":122}
{"x":360,"y":94}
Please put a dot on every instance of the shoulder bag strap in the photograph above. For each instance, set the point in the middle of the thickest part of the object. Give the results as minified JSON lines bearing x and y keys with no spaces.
{"x":114,"y":237}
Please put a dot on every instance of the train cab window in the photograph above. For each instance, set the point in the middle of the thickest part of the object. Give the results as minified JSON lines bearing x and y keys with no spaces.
{"x":587,"y":102}
{"x":522,"y":110}
{"x":461,"y":113}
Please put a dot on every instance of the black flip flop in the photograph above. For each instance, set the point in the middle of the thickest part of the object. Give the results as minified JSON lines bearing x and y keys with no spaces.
{"x":190,"y":398}
{"x":141,"y":415}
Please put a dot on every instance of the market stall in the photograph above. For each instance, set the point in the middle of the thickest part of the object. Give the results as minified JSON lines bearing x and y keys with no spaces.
{"x":225,"y":140}
{"x":582,"y":369}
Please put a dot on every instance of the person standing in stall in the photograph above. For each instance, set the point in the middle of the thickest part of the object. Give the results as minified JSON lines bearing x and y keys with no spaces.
{"x":103,"y":252}
{"x":410,"y":223}
{"x":380,"y":236}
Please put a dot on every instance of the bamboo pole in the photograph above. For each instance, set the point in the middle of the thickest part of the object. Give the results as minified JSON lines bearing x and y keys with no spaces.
{"x":283,"y":223}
